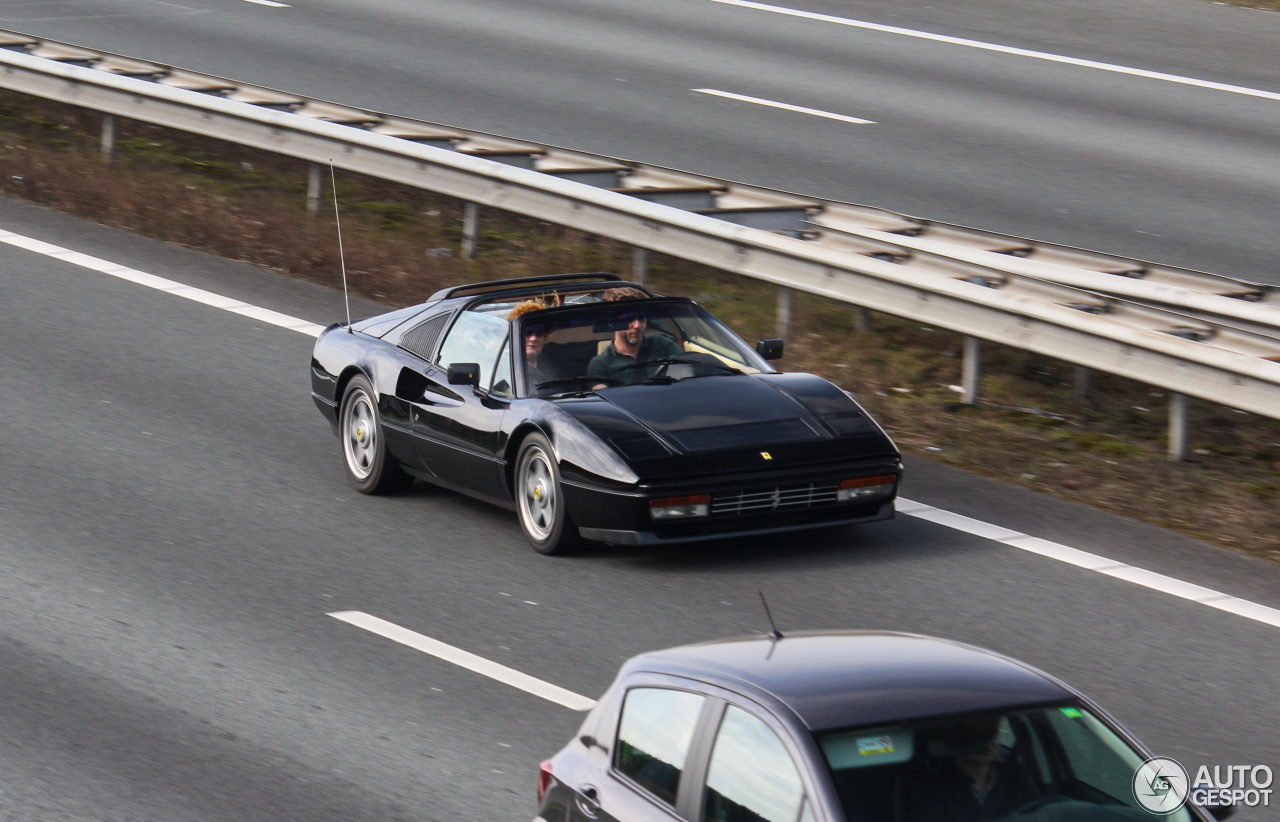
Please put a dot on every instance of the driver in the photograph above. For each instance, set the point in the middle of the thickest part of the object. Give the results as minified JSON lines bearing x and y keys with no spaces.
{"x":630,"y":346}
{"x":974,"y":780}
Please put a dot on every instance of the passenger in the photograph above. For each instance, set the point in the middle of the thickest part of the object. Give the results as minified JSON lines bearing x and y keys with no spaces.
{"x":630,"y":347}
{"x":975,"y":779}
{"x":540,"y":365}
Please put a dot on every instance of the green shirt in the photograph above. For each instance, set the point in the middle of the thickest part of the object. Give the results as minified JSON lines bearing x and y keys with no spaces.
{"x":612,"y":366}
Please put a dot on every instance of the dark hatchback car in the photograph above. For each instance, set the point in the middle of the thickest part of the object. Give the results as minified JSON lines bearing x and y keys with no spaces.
{"x":695,"y":436}
{"x":852,"y":726}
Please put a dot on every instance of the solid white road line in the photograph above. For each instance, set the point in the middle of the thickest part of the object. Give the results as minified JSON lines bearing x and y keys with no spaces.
{"x":199,"y":295}
{"x":269,"y":3}
{"x":785,"y":106}
{"x":1014,"y":539}
{"x":466,"y":659}
{"x":978,"y":44}
{"x":1093,"y":562}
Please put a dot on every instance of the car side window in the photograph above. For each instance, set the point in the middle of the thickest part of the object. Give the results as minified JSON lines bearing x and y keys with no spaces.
{"x":653,"y":738}
{"x":502,"y":384}
{"x":477,"y":338}
{"x":751,"y":777}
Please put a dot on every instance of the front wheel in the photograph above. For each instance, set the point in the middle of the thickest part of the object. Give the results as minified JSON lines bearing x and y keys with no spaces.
{"x":364,"y":450}
{"x":544,"y":517}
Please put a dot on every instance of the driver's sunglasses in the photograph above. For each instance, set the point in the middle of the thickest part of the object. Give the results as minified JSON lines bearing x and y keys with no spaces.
{"x":535,"y":331}
{"x":632,"y":316}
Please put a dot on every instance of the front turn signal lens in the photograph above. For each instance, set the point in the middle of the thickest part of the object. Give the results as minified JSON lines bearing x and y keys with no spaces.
{"x":865,"y":488}
{"x":698,"y":505}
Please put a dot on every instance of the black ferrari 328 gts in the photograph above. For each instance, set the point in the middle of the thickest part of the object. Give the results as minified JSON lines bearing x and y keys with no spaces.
{"x":598,"y":411}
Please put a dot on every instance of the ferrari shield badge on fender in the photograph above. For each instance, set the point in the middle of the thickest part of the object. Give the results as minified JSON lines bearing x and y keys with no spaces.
{"x":766,"y":455}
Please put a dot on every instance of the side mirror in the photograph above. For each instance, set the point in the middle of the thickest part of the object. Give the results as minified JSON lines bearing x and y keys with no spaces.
{"x":464,"y":373}
{"x":770,"y":349}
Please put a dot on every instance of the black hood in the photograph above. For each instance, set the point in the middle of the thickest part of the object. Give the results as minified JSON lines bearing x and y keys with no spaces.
{"x":716,"y":413}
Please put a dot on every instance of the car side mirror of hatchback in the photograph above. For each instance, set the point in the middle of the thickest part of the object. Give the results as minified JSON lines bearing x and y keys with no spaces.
{"x":464,"y":373}
{"x":770,"y":349}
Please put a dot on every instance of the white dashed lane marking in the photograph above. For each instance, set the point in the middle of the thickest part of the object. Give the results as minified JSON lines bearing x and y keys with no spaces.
{"x":986,"y":530}
{"x":760,"y":101}
{"x":466,"y":659}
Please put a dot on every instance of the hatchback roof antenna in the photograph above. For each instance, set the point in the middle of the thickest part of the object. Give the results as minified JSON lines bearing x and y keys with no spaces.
{"x":337,"y":221}
{"x":774,"y":633}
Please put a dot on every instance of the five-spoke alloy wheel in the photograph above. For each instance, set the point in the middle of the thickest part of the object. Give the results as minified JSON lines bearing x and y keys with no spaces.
{"x":371,"y":469}
{"x":543,"y":514}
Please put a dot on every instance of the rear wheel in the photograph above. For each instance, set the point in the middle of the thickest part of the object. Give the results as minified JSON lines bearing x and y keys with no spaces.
{"x":364,"y":450}
{"x":544,"y":517}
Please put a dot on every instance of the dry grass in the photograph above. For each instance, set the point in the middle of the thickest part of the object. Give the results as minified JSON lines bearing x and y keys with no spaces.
{"x":1033,"y":428}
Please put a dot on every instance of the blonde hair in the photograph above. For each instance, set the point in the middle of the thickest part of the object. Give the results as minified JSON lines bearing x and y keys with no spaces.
{"x":534,"y":304}
{"x":525,"y":307}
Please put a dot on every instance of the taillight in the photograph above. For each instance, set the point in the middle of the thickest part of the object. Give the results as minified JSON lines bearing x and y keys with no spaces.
{"x":544,"y":778}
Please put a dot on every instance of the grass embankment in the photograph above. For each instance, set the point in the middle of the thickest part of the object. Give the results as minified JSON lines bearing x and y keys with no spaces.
{"x":1107,"y":450}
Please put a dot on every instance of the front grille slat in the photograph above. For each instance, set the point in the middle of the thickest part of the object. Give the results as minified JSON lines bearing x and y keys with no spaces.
{"x":778,"y":498}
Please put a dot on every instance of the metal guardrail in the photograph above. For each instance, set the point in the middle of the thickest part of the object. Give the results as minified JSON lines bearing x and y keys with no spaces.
{"x":1191,"y":333}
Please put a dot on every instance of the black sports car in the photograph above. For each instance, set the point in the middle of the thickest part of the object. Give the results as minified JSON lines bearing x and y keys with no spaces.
{"x":599,"y":411}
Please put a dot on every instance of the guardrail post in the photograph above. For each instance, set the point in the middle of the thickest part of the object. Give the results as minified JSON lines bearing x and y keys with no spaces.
{"x":470,"y":229}
{"x":1177,"y":427}
{"x":861,"y":320}
{"x":313,"y":188}
{"x":784,"y":311}
{"x":971,"y":375}
{"x":1084,"y":382}
{"x":109,"y":137}
{"x":640,"y":265}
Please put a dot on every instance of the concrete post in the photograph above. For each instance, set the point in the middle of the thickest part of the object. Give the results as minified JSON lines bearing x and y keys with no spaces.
{"x":1084,"y":382}
{"x":784,"y":311}
{"x":314,"y":182}
{"x":1177,"y":427}
{"x":971,"y":374}
{"x":109,"y":138}
{"x":640,"y":265}
{"x":470,"y":229}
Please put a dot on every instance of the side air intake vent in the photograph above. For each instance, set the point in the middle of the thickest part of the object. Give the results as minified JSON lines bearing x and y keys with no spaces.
{"x":422,"y":338}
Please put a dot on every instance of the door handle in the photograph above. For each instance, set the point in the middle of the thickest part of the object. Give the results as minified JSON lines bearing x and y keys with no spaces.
{"x":589,"y":801}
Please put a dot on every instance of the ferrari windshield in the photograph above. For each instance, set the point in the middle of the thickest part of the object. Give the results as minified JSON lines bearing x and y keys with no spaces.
{"x":1058,"y":764}
{"x":606,"y":344}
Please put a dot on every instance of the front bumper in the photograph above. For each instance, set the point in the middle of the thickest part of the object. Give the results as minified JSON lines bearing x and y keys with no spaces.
{"x":622,"y":516}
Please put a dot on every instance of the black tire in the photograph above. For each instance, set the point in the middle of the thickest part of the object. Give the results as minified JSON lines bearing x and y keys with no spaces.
{"x":364,"y":449}
{"x":540,"y":503}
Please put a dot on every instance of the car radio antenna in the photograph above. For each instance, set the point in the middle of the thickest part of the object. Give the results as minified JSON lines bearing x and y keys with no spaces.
{"x":774,"y":633}
{"x":337,"y":221}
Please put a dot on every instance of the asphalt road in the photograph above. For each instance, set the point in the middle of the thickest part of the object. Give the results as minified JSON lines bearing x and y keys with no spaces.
{"x":175,"y":526}
{"x":1058,"y":152}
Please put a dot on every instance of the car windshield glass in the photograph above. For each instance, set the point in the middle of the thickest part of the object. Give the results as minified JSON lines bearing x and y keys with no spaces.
{"x":602,"y":345}
{"x":1055,"y":764}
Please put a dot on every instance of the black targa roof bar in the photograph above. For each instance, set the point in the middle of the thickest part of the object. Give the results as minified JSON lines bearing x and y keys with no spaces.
{"x":496,"y":285}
